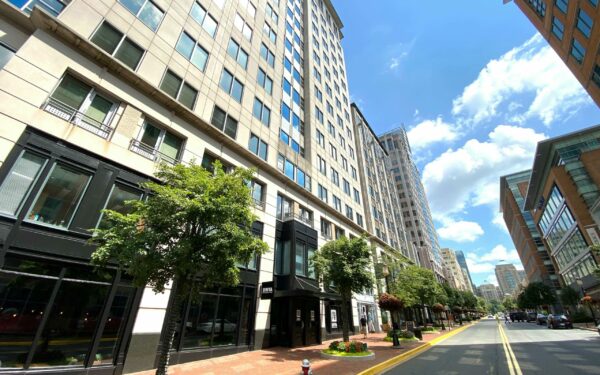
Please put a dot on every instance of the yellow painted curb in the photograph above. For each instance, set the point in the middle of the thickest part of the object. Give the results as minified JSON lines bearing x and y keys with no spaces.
{"x":380,"y":367}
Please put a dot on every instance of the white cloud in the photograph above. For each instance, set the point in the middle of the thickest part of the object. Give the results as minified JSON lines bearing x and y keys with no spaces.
{"x":428,"y":132}
{"x":498,"y":221}
{"x":460,"y":231}
{"x":394,"y":63}
{"x":486,"y":263}
{"x":469,"y":175}
{"x":532,"y":69}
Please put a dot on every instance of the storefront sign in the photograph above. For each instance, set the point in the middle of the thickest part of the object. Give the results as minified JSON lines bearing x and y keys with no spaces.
{"x":298,"y":315}
{"x":266,"y":290}
{"x":334,"y":323}
{"x":312,"y":315}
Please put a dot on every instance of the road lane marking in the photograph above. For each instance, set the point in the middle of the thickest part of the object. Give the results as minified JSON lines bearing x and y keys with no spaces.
{"x":511,"y":359}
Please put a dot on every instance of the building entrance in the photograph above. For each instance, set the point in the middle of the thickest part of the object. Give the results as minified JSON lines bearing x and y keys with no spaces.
{"x":295,"y":321}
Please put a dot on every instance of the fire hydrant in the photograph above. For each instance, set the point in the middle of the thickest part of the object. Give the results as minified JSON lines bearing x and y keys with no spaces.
{"x":306,"y":367}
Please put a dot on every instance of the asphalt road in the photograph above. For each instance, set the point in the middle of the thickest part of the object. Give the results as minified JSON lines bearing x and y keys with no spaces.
{"x":536,"y":350}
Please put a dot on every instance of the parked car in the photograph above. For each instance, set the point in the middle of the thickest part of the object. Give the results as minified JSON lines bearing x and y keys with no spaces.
{"x":558,"y":321}
{"x":531,"y":317}
{"x":541,"y":319}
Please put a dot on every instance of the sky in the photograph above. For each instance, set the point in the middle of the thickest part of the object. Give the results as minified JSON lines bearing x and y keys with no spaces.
{"x":476,"y":87}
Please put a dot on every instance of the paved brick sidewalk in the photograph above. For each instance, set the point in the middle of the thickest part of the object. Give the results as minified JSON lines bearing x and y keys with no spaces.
{"x":283,"y":361}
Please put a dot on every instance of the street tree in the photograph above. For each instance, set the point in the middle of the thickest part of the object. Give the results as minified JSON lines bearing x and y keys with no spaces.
{"x":509,"y":303}
{"x":417,"y":285}
{"x":569,"y":297}
{"x":596,"y":250}
{"x":345,"y":263}
{"x":193,"y":230}
{"x":536,"y":294}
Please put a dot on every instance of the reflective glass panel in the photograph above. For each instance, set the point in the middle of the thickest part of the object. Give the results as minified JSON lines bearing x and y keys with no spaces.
{"x":18,"y":183}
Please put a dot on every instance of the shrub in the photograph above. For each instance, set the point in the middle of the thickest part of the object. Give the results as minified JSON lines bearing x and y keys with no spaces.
{"x":334,"y":345}
{"x":341,"y":347}
{"x":407,"y":335}
{"x":580,"y":316}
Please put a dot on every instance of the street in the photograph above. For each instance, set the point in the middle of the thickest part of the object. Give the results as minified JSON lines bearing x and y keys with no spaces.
{"x":537,"y":350}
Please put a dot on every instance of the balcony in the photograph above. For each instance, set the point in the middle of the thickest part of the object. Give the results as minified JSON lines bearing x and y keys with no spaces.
{"x":150,"y":153}
{"x":260,"y":204}
{"x":301,"y":216}
{"x":79,"y":119}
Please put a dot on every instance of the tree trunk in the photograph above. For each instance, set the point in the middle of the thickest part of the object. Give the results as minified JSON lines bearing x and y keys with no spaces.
{"x":172,"y":317}
{"x":345,"y":317}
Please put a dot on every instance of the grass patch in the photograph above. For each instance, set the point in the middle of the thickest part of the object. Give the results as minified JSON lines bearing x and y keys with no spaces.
{"x":346,"y":354}
{"x":389,"y":339}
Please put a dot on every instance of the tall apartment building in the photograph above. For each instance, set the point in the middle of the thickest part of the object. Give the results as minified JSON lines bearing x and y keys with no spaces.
{"x":420,"y":231}
{"x":568,"y":26}
{"x":490,"y":292}
{"x":381,"y":205}
{"x":93,"y":94}
{"x":508,"y":278}
{"x":453,"y":271}
{"x":535,"y":257}
{"x":460,"y":257}
{"x":563,"y":197}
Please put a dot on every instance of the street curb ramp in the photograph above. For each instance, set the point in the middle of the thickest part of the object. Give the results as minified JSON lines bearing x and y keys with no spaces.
{"x":383,"y":366}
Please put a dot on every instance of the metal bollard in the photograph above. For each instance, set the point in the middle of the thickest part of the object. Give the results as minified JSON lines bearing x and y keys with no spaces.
{"x":306,"y":367}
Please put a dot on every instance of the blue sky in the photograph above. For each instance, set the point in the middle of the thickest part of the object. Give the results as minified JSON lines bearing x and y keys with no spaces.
{"x":476,"y":88}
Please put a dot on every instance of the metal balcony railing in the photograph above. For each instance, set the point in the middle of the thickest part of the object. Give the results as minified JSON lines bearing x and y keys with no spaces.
{"x":300,"y":216}
{"x":150,"y":153}
{"x":260,"y":204}
{"x":54,"y":7}
{"x":67,"y":113}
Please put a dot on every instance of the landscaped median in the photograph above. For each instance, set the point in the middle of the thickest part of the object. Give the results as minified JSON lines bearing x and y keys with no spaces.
{"x":380,"y":367}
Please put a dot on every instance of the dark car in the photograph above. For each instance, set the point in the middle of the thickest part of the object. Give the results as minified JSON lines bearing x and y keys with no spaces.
{"x":559,"y":321}
{"x":531,"y":317}
{"x":518,"y":316}
{"x":541,"y":319}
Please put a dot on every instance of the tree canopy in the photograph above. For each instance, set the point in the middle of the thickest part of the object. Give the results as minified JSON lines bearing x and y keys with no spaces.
{"x":345,"y":263}
{"x":569,"y":296}
{"x":536,"y":294}
{"x":415,"y":285}
{"x":194,"y":228}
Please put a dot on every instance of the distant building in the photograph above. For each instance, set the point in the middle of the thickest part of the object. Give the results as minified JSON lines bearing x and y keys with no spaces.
{"x":525,"y":235}
{"x":563,"y":197}
{"x":568,"y":26}
{"x":508,"y":278}
{"x":460,"y":257}
{"x":420,"y":230}
{"x":490,"y":292}
{"x":453,"y":271}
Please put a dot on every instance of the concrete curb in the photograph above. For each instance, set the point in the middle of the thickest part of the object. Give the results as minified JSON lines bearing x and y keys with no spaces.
{"x":349,"y":358}
{"x":380,"y":367}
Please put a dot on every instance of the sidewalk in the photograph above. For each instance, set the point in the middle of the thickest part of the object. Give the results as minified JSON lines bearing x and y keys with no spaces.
{"x":586,"y":326}
{"x":287,"y":361}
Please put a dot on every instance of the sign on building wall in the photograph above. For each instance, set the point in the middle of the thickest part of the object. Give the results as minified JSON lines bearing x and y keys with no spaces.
{"x":266,"y":290}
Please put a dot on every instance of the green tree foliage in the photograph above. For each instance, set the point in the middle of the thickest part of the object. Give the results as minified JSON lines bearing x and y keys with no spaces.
{"x":495,"y":306}
{"x":596,"y":250}
{"x":416,"y":285}
{"x":193,"y":229}
{"x":569,"y":296}
{"x":345,"y":263}
{"x":535,"y":295}
{"x":509,"y":303}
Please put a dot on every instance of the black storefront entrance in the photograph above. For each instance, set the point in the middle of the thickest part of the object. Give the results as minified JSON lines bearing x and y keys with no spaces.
{"x":296,"y":304}
{"x":58,"y":315}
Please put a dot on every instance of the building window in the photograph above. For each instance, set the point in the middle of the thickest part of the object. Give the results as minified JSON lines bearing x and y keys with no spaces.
{"x":323,"y":194}
{"x":335,"y":177}
{"x":268,"y":31}
{"x":82,"y":105}
{"x":539,"y":6}
{"x":265,"y":81}
{"x":200,"y":15}
{"x":258,"y":146}
{"x":584,"y":23}
{"x":148,"y":12}
{"x":19,"y":181}
{"x":349,"y":213}
{"x":337,"y":203}
{"x":320,"y":138}
{"x":596,"y":75}
{"x":116,"y":201}
{"x":116,"y":44}
{"x":157,"y":144}
{"x":319,"y":114}
{"x":325,"y":228}
{"x":346,"y":186}
{"x":322,"y":165}
{"x":261,"y":112}
{"x":333,"y":151}
{"x":58,"y":200}
{"x":294,"y":173}
{"x":577,"y":51}
{"x":563,"y":5}
{"x":257,"y":191}
{"x":54,"y":7}
{"x":558,"y":28}
{"x":250,"y":8}
{"x":192,"y":51}
{"x":225,"y":123}
{"x":237,"y":53}
{"x":6,"y":54}
{"x":359,"y":219}
{"x":232,"y":85}
{"x":356,"y":196}
{"x":242,"y":27}
{"x":271,"y":13}
{"x":179,"y":89}
{"x":267,"y":55}
{"x":594,"y":2}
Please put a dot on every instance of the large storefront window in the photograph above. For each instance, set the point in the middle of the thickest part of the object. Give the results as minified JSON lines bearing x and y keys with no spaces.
{"x":19,"y":181}
{"x":218,"y":318}
{"x":51,"y":313}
